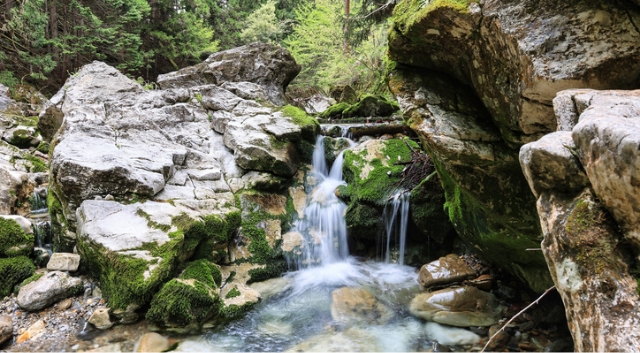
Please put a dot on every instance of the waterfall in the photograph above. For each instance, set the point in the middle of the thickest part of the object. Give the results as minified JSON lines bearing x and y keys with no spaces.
{"x":38,"y":202}
{"x":323,"y":227}
{"x":396,"y":219}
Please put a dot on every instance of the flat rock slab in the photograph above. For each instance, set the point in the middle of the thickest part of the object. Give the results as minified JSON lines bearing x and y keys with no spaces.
{"x":61,"y":261}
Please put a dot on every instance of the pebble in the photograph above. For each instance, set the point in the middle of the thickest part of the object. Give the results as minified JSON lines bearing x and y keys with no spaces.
{"x":33,"y":331}
{"x":65,"y":304}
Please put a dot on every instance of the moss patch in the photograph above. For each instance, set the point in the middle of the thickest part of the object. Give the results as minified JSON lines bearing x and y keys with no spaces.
{"x":13,"y":271}
{"x":13,"y":240}
{"x":203,"y":271}
{"x":183,"y":302}
{"x":309,"y":124}
{"x":335,"y":110}
{"x":408,"y":12}
{"x":232,"y":293}
{"x":371,"y":105}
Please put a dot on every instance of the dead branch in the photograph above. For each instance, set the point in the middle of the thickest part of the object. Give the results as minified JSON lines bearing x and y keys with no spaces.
{"x":515,"y":316}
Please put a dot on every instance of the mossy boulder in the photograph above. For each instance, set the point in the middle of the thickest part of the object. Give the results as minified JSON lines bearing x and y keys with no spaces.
{"x":182,"y":305}
{"x":132,"y":262}
{"x":14,"y":241}
{"x":371,"y":105}
{"x":13,"y":271}
{"x":335,"y":110}
{"x":373,"y":169}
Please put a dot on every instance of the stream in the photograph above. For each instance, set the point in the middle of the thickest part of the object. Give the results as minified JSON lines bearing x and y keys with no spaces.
{"x":297,"y":313}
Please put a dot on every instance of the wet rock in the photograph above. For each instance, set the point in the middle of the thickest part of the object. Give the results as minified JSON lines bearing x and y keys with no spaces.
{"x":271,"y":287}
{"x":100,"y":319}
{"x":357,"y":305}
{"x":462,"y":306}
{"x":41,"y":256}
{"x":445,"y":270}
{"x":349,"y":340}
{"x":32,"y":332}
{"x":270,"y":66}
{"x":500,"y":340}
{"x":65,"y":304}
{"x":450,"y":336}
{"x":63,"y":262}
{"x":152,"y":342}
{"x":6,"y":328}
{"x":47,"y":290}
{"x":87,"y":331}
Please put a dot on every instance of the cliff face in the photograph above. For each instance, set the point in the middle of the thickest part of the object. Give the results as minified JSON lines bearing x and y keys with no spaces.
{"x":476,"y":80}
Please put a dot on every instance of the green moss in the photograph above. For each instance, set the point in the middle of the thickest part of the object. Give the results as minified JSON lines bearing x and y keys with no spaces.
{"x":183,"y":302}
{"x":335,"y":110}
{"x":371,"y":105}
{"x":408,"y":12}
{"x":33,"y":278}
{"x":364,"y":221}
{"x":13,"y":271}
{"x":203,"y":271}
{"x":13,"y":240}
{"x":273,"y":269}
{"x":382,"y":176}
{"x":37,"y":164}
{"x":152,"y":224}
{"x":309,"y":124}
{"x":232,"y":293}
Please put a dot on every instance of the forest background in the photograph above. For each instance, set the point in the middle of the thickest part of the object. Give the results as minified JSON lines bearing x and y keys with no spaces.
{"x":337,"y":42}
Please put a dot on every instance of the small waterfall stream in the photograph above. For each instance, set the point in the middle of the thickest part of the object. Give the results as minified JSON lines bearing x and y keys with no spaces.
{"x":396,"y":220}
{"x":299,"y":316}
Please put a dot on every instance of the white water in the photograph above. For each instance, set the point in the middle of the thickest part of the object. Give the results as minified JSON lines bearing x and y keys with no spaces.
{"x":396,"y":220}
{"x":301,"y":312}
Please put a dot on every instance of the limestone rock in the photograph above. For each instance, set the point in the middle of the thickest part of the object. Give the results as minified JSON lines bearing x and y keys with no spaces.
{"x":489,"y":199}
{"x":100,"y":319}
{"x":450,"y":336}
{"x":445,"y":270}
{"x":60,"y":261}
{"x":6,"y":328}
{"x":357,"y":305}
{"x":517,"y":71}
{"x":593,"y":277}
{"x":47,"y":290}
{"x":152,"y":342}
{"x":607,"y":139}
{"x":317,"y":104}
{"x":267,"y":65}
{"x":549,"y":164}
{"x":462,"y":306}
{"x":32,"y":332}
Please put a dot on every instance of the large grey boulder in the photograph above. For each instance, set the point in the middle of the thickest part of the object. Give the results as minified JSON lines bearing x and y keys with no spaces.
{"x":268,"y":65}
{"x":47,"y":290}
{"x":583,"y":178}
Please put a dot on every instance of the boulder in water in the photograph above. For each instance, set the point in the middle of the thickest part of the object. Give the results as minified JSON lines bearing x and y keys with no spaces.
{"x":445,"y":270}
{"x":357,"y":305}
{"x":462,"y":306}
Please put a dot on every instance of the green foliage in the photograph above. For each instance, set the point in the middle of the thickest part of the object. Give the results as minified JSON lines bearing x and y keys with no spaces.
{"x":318,"y":45}
{"x":6,"y":76}
{"x":13,"y":271}
{"x":13,"y":240}
{"x":262,"y":25}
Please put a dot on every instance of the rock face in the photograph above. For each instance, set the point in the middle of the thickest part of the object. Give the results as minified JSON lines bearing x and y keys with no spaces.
{"x":515,"y":70}
{"x":487,"y":197}
{"x":462,"y":306}
{"x":47,"y":290}
{"x":267,"y":65}
{"x":583,"y":178}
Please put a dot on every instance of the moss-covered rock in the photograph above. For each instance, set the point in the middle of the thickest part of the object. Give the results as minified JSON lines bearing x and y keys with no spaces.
{"x":364,"y":222}
{"x":203,"y":271}
{"x":307,"y":123}
{"x":13,"y":239}
{"x":13,"y":271}
{"x":335,"y":111}
{"x":373,"y":169}
{"x":182,"y":305}
{"x":371,"y":105}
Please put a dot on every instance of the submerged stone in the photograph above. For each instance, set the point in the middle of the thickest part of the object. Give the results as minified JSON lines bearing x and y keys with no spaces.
{"x":462,"y":306}
{"x":357,"y":305}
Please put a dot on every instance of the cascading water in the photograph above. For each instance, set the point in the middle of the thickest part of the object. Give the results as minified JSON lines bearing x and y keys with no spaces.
{"x":300,"y":316}
{"x":323,"y":227}
{"x":396,"y":220}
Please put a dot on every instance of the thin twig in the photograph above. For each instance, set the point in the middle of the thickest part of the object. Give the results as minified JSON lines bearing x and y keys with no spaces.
{"x":515,"y":316}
